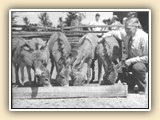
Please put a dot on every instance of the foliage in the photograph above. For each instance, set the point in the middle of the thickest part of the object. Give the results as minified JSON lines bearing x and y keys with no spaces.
{"x":28,"y":28}
{"x":26,"y":21}
{"x":44,"y":20}
{"x":13,"y":17}
{"x":74,"y":15}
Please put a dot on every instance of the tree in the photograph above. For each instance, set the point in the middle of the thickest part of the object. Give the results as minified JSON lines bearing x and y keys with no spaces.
{"x":44,"y":20}
{"x":26,"y":21}
{"x":74,"y":15}
{"x":13,"y":17}
{"x":70,"y":16}
{"x":81,"y":15}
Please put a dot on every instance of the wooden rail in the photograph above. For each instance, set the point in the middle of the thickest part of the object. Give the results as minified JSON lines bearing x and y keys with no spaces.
{"x":50,"y":33}
{"x":36,"y":27}
{"x":43,"y":35}
{"x":70,"y":27}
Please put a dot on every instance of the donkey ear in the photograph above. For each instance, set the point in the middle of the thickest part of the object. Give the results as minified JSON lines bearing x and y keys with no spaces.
{"x":27,"y":47}
{"x":71,"y":59}
{"x":120,"y":66}
{"x":43,"y":47}
{"x":123,"y":63}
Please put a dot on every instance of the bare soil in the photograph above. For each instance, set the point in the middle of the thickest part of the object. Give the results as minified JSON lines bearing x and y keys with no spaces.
{"x":132,"y":101}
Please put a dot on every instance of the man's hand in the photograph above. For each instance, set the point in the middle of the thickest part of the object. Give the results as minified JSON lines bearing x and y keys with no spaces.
{"x":127,"y":63}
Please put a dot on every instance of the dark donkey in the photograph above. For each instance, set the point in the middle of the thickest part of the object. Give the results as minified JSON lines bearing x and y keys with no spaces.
{"x":109,"y":53}
{"x":60,"y":50}
{"x":85,"y":54}
{"x":23,"y":55}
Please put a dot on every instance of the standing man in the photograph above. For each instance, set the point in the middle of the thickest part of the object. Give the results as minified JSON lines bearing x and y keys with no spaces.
{"x":115,"y":21}
{"x":97,"y":22}
{"x":105,"y":21}
{"x":136,"y":44}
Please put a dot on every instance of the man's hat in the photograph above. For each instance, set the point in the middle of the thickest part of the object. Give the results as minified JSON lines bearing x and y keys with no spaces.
{"x":132,"y":14}
{"x":131,"y":22}
{"x":105,"y":20}
{"x":115,"y":17}
{"x":97,"y":14}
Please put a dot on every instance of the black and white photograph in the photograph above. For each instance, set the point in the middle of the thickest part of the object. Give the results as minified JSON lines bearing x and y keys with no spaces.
{"x":79,"y":60}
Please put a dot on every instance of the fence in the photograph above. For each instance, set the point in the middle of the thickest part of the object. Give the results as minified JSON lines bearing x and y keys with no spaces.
{"x":65,"y":30}
{"x":73,"y":33}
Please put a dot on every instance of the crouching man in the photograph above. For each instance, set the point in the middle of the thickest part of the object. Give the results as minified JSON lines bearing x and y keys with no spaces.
{"x":136,"y":46}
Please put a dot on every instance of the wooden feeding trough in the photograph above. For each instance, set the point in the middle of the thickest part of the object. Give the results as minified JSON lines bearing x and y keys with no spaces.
{"x":89,"y":91}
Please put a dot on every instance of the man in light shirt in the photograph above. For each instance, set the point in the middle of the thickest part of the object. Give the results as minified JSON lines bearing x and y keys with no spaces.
{"x":136,"y":44}
{"x":97,"y":22}
{"x":115,"y":22}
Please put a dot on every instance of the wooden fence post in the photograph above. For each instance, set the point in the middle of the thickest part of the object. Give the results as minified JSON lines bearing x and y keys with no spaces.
{"x":62,"y":28}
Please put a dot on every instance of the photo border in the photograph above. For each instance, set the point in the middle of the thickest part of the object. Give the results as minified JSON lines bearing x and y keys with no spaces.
{"x":79,"y":109}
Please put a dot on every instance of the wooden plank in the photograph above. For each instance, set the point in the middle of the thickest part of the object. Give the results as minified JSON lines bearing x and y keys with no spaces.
{"x":32,"y":36}
{"x":85,"y":31}
{"x":117,"y":90}
{"x":50,"y":33}
{"x":44,"y":36}
{"x":92,"y":26}
{"x":70,"y":27}
{"x":27,"y":34}
{"x":36,"y":27}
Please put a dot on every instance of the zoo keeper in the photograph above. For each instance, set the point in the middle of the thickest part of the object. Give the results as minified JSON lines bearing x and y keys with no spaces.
{"x":136,"y":44}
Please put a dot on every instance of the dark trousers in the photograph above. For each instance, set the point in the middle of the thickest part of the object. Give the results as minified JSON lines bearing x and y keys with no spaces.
{"x":138,"y":76}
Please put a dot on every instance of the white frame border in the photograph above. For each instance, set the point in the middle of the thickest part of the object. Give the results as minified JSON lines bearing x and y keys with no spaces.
{"x":89,"y":10}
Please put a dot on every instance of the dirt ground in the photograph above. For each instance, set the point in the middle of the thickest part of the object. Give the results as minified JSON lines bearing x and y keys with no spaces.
{"x":133,"y":100}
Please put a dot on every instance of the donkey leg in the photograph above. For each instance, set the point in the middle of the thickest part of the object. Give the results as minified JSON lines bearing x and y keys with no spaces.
{"x":17,"y":83}
{"x":17,"y":75}
{"x":99,"y":71}
{"x":93,"y":70}
{"x":52,"y":68}
{"x":29,"y":75}
{"x":22,"y":74}
{"x":89,"y":71}
{"x":35,"y":79}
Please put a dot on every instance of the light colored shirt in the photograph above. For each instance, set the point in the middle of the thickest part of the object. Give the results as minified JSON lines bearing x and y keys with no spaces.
{"x":116,"y":23}
{"x":97,"y":28}
{"x":139,"y":46}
